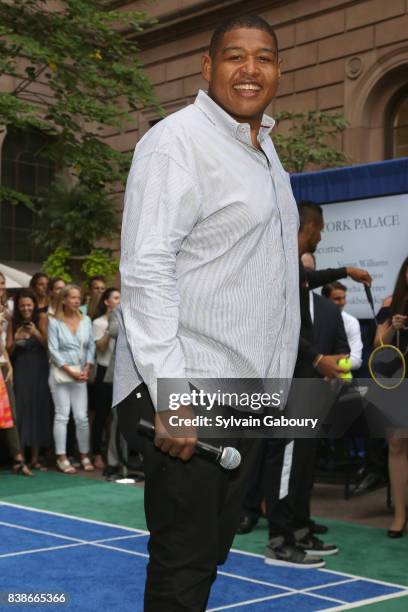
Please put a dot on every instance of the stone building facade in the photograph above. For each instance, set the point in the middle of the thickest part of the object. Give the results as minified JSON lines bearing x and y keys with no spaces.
{"x":338,"y":55}
{"x":348,"y":56}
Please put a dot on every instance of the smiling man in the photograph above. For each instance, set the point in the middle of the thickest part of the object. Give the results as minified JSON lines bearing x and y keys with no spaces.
{"x":210,"y":290}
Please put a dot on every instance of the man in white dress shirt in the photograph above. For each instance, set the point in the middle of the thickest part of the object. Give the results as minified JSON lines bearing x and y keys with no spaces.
{"x":209,"y":290}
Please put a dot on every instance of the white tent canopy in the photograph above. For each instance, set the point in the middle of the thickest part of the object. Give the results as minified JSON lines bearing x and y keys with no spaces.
{"x":14,"y":278}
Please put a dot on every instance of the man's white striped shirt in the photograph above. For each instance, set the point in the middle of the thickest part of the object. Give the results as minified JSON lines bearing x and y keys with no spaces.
{"x":209,"y":255}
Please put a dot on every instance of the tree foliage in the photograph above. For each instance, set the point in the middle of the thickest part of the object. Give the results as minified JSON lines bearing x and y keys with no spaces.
{"x":74,"y":71}
{"x":73,"y":217}
{"x":308,"y":144}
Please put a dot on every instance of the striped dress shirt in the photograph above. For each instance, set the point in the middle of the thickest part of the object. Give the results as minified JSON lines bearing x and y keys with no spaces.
{"x":209,"y":255}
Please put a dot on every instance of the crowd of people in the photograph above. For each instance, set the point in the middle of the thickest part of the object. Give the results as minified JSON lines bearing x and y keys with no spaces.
{"x":57,"y":353}
{"x":56,"y":359}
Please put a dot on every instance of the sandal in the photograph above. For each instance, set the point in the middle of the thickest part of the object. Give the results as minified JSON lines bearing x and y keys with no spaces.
{"x":21,"y":468}
{"x":65,"y":467}
{"x":87,"y":465}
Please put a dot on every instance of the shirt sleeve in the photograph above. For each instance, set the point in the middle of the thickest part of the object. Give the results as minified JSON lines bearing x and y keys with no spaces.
{"x":162,"y":204}
{"x":113,"y":325}
{"x":356,"y":344}
{"x":53,"y":343}
{"x":90,"y":345}
{"x":306,"y":351}
{"x":318,"y":278}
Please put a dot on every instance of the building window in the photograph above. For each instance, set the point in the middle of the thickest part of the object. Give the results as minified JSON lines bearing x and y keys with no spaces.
{"x":397,"y":126}
{"x":25,"y":167}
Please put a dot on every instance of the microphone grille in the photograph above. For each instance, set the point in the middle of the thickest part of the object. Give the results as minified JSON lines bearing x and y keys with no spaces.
{"x":230,"y":458}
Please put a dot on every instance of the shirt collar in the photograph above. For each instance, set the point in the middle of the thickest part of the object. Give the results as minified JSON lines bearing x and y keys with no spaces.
{"x":220,"y":118}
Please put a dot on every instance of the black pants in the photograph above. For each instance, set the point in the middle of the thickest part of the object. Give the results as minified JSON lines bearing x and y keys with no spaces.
{"x":102,"y":396}
{"x":192,"y":512}
{"x":284,"y":478}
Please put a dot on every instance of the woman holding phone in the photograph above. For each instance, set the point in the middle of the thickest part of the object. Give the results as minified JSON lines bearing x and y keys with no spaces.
{"x":26,"y":345}
{"x":72,"y":350}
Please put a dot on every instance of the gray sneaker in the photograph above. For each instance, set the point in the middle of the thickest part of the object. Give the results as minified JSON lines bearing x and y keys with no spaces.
{"x":279,"y":552}
{"x":314,"y":546}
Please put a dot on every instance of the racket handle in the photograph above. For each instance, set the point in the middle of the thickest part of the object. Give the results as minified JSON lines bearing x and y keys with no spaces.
{"x":369,"y":296}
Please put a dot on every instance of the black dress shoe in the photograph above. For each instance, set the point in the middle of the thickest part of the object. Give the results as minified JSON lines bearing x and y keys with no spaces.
{"x":396,"y":533}
{"x":247,"y":524}
{"x":317,"y":528}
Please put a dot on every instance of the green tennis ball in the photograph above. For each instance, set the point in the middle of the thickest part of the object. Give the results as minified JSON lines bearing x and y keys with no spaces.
{"x":346,"y":376}
{"x":345,"y":364}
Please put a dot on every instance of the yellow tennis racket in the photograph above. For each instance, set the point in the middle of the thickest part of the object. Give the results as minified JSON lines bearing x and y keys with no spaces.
{"x":386,"y":364}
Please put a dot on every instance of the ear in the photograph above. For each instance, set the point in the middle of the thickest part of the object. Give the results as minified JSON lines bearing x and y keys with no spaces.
{"x":279,"y":67}
{"x":206,"y":66}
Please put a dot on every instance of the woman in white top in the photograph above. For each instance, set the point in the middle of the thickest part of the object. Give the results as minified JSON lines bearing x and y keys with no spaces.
{"x":105,"y":345}
{"x":72,"y":351}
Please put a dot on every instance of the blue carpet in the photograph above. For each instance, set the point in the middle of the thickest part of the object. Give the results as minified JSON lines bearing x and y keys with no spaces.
{"x":102,"y":567}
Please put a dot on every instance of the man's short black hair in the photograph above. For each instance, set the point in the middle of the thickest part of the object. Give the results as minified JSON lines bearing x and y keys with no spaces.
{"x":309,"y":213}
{"x":328,"y":289}
{"x":242,"y":21}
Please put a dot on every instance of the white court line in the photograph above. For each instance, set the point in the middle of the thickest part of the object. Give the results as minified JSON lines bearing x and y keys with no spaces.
{"x":329,"y":584}
{"x":404,"y":587}
{"x":78,"y":542}
{"x":42,"y":532}
{"x":268,"y":598}
{"x":256,"y":581}
{"x":250,"y":601}
{"x":325,"y":597}
{"x":122,"y":550}
{"x":75,"y":518}
{"x":38,"y":550}
{"x":403,"y":592}
{"x":365,"y":602}
{"x":100,"y":543}
{"x":125,"y":537}
{"x":285,"y":588}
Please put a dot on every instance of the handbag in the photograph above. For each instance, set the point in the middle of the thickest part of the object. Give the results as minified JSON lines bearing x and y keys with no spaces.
{"x":61,"y":376}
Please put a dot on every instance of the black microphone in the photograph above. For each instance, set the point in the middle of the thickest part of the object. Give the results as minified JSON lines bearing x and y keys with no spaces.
{"x":228,"y":458}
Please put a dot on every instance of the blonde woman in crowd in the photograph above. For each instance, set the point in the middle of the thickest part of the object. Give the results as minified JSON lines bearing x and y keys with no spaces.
{"x":72,"y":351}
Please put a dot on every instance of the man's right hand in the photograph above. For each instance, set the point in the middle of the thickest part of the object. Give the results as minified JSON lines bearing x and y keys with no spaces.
{"x":177,"y":441}
{"x":359,"y":275}
{"x":328,"y":366}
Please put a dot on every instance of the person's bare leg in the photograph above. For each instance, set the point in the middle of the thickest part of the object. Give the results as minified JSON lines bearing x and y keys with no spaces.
{"x":398,"y":468}
{"x":19,"y":466}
